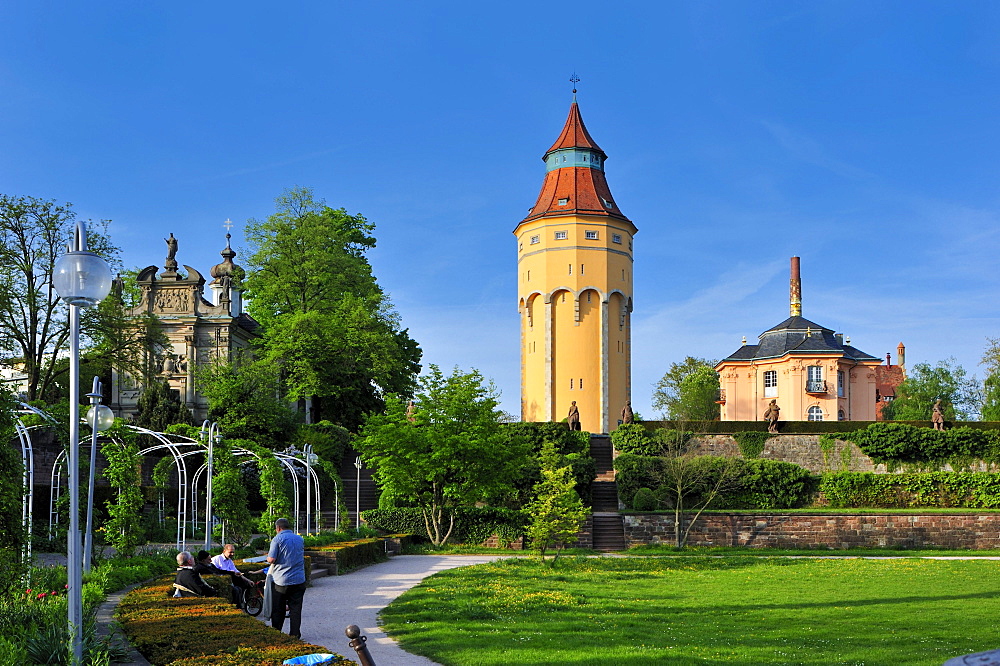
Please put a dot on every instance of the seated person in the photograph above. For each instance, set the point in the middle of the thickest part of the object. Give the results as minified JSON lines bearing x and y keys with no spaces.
{"x":224,"y":563}
{"x":188,"y":582}
{"x":203,"y":565}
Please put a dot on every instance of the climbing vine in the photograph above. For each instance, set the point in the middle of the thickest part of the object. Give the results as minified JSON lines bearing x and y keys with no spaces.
{"x":273,"y":487}
{"x":229,"y":495}
{"x":161,"y":478}
{"x":751,"y":443}
{"x":123,"y":529}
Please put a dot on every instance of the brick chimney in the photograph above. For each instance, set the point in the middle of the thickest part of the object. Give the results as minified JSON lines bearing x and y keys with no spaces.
{"x":795,"y":290}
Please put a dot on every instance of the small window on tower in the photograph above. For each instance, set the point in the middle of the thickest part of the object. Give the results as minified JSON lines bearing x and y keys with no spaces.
{"x":616,"y":238}
{"x":590,"y":235}
{"x":535,"y":240}
{"x":564,"y":201}
{"x":571,"y":384}
{"x":581,"y":273}
{"x":581,"y":383}
{"x":520,"y":247}
{"x":561,"y":235}
{"x":571,"y":269}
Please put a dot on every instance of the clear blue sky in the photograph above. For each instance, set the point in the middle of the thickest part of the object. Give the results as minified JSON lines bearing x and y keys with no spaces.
{"x":861,"y":136}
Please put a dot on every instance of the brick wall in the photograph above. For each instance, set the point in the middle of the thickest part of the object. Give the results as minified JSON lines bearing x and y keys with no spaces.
{"x":822,"y":530}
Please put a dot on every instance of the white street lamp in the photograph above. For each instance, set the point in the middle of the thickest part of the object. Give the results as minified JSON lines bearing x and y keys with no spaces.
{"x":357,"y":495}
{"x":82,"y":280}
{"x":100,"y":418}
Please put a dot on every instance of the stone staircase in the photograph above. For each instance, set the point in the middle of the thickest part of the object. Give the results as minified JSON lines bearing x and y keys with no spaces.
{"x":608,"y":527}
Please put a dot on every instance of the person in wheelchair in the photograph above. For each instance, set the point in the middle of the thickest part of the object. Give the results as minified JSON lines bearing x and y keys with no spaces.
{"x":223,"y":564}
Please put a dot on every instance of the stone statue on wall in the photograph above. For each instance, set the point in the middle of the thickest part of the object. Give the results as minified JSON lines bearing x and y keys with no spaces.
{"x":937,"y":416}
{"x":573,"y":419}
{"x":627,"y":415}
{"x":771,"y":416}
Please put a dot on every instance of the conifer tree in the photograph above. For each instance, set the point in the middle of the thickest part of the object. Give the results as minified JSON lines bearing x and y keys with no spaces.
{"x":557,"y":511}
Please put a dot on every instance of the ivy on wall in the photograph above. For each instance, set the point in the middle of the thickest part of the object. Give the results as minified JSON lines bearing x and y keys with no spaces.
{"x":975,"y":490}
{"x":751,"y":443}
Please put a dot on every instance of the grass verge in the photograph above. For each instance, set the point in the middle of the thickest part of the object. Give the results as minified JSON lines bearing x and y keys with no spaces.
{"x":701,"y":610}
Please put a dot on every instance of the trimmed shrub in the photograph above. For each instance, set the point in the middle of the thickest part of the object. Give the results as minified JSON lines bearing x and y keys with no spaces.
{"x":974,"y":490}
{"x":645,"y":500}
{"x":633,"y":472}
{"x":200,"y":631}
{"x":633,"y":438}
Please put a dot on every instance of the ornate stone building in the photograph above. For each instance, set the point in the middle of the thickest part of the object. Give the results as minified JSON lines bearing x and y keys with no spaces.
{"x":574,"y":259}
{"x":199,"y":330}
{"x":812,"y":372}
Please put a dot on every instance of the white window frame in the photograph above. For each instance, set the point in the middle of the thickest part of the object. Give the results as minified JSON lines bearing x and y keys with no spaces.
{"x":562,"y":235}
{"x":813,"y":412}
{"x":616,"y":238}
{"x":840,"y":383}
{"x":770,"y":383}
{"x":591,"y":235}
{"x":535,"y":240}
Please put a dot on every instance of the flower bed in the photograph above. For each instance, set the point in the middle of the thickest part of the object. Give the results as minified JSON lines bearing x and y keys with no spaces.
{"x":202,"y":631}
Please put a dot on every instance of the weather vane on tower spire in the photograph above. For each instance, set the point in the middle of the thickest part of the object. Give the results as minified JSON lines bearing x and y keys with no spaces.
{"x":574,"y":80}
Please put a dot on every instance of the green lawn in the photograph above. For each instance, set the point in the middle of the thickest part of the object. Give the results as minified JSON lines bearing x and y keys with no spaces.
{"x":697,"y":610}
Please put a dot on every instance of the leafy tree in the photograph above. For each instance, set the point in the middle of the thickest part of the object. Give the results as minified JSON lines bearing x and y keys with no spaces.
{"x":687,"y":391}
{"x":244,"y":397}
{"x":557,"y":511}
{"x":991,"y":385}
{"x":34,"y":324}
{"x":229,"y":495}
{"x":328,"y":326}
{"x":454,"y":453}
{"x":960,"y":394}
{"x":159,"y":406}
{"x":123,"y":530}
{"x":689,"y":483}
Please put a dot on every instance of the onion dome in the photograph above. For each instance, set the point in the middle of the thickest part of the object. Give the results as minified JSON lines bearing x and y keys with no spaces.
{"x":227,"y":268}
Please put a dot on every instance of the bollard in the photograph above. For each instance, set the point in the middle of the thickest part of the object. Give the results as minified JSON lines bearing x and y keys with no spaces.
{"x":360,"y":645}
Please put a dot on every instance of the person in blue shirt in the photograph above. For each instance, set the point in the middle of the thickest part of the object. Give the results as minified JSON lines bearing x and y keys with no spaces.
{"x":288,"y":577}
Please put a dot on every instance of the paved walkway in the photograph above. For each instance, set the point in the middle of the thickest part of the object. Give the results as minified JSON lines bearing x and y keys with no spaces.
{"x":335,"y":602}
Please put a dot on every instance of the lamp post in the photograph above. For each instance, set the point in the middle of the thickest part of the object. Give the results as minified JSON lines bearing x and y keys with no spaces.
{"x":357,"y":496}
{"x":82,"y":280}
{"x":100,"y":418}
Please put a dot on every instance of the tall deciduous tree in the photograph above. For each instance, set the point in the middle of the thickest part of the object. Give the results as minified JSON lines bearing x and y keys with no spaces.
{"x":991,"y":385}
{"x":327,"y":324}
{"x":33,"y":321}
{"x":687,"y":391}
{"x":244,"y":397}
{"x":960,"y":395}
{"x":455,"y":451}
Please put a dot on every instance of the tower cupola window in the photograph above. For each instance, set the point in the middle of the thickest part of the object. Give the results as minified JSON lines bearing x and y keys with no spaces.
{"x":535,"y":240}
{"x":590,"y":235}
{"x":564,"y":201}
{"x":616,"y":238}
{"x":561,"y":235}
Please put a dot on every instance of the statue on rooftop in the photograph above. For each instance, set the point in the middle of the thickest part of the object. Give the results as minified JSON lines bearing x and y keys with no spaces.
{"x":171,"y":263}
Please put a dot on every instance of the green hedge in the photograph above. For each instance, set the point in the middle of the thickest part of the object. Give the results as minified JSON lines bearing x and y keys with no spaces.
{"x":892,"y":443}
{"x":974,"y":490}
{"x":759,"y":484}
{"x":472,"y":524}
{"x":353,"y":554}
{"x":799,"y":427}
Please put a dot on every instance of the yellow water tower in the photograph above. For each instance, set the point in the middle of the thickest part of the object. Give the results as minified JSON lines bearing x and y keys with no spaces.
{"x":574,"y":259}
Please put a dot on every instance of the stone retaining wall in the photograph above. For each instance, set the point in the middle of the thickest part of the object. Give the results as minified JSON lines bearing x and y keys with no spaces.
{"x":803,"y":450}
{"x":973,"y":531}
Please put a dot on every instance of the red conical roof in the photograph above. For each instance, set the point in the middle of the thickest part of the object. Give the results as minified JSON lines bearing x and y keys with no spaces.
{"x":575,"y":190}
{"x":574,"y":133}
